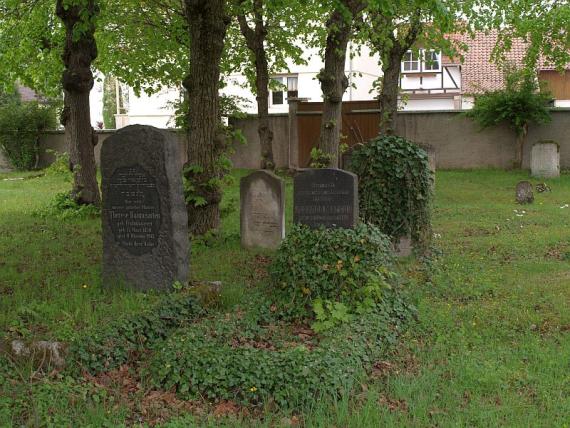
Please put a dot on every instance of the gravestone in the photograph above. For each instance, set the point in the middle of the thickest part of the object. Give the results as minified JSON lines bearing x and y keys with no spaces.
{"x":545,"y":160}
{"x":262,"y":210}
{"x":5,"y":165}
{"x":145,"y":223}
{"x":524,"y":193}
{"x":326,"y":197}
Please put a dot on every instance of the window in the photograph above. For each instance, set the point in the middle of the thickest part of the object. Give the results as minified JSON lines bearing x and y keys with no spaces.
{"x":424,"y":60}
{"x":277,"y":96}
{"x":411,"y":62}
{"x":283,"y":85}
{"x":432,"y":61}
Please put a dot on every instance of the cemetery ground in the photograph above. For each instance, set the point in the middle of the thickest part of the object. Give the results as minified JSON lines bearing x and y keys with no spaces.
{"x":490,"y":346}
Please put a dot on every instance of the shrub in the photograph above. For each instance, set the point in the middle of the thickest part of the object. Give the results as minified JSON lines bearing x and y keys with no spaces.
{"x":336,"y":272}
{"x":64,"y":207}
{"x":522,"y":101}
{"x":20,"y":127}
{"x":395,"y":188}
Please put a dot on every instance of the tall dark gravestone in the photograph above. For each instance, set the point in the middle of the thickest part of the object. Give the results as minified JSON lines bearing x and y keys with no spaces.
{"x":326,"y":197}
{"x":145,"y":223}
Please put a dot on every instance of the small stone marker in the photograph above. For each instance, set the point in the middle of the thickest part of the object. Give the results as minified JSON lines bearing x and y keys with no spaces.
{"x":262,"y":210}
{"x":5,"y":165}
{"x":145,"y":223}
{"x":326,"y":197}
{"x":545,"y":160}
{"x":524,"y":193}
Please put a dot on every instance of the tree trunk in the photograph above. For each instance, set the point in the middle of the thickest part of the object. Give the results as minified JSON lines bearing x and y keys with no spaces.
{"x":264,"y":129}
{"x":255,"y":40}
{"x":77,"y":81}
{"x":207,"y":23}
{"x":521,"y":139}
{"x":388,"y":98}
{"x":333,"y":80}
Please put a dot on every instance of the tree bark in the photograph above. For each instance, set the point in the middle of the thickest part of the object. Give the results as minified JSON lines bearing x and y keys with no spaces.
{"x":521,"y":139}
{"x":207,"y":23}
{"x":388,"y":98}
{"x":255,"y":39}
{"x":77,"y":80}
{"x":391,"y":64}
{"x":333,"y":78}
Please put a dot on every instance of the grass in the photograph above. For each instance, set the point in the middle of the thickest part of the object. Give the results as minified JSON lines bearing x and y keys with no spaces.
{"x":491,"y":347}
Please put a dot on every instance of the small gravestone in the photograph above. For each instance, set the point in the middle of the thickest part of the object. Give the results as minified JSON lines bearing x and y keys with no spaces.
{"x":262,"y":210}
{"x":145,"y":223}
{"x":5,"y":165}
{"x":524,"y":193}
{"x":545,"y":160}
{"x":326,"y":197}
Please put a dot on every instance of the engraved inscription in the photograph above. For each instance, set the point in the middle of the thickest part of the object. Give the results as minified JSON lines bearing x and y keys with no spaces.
{"x":133,"y":209}
{"x":325,"y":198}
{"x":263,"y":214}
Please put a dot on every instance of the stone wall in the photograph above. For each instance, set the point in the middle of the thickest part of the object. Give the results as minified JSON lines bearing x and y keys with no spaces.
{"x":458,"y":142}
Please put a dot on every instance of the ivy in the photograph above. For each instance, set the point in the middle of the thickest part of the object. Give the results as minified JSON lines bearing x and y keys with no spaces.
{"x":110,"y":347}
{"x":395,"y":188}
{"x":328,"y":275}
{"x":247,"y":358}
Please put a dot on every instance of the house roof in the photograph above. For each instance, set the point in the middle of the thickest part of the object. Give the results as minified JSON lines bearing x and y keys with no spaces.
{"x":478,"y":72}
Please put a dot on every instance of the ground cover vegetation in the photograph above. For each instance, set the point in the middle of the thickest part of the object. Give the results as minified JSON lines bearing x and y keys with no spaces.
{"x":489,"y":347}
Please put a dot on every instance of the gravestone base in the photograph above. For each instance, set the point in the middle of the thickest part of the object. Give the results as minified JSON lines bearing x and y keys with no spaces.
{"x":145,"y":223}
{"x":545,"y":160}
{"x":262,"y":210}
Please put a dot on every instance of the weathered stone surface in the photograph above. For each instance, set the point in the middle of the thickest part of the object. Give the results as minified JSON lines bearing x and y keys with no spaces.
{"x":262,"y":210}
{"x":524,"y":193}
{"x":43,"y":353}
{"x":5,"y":165}
{"x":326,"y":197}
{"x":145,"y":223}
{"x":404,"y":247}
{"x":545,"y":160}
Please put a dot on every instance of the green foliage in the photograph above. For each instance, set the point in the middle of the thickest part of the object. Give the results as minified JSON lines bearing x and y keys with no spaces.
{"x":523,"y":101}
{"x":107,"y":348}
{"x":64,"y":207}
{"x":242,"y":358}
{"x":331,"y":273}
{"x":20,"y":127}
{"x":395,"y":187}
{"x":60,"y":166}
{"x":320,"y":159}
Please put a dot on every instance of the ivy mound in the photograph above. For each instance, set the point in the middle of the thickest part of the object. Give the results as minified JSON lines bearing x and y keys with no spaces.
{"x":331,"y":274}
{"x":252,"y":359}
{"x":395,"y":188}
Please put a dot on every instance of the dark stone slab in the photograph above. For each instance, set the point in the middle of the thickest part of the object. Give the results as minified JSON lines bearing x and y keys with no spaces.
{"x":145,"y":223}
{"x":524,"y":193}
{"x":326,"y":197}
{"x":262,"y":210}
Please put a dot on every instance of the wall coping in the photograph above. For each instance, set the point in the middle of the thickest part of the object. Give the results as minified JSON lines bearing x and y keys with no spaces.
{"x":254,"y":116}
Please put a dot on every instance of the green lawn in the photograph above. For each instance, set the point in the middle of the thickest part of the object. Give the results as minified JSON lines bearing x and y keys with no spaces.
{"x":491,"y":346}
